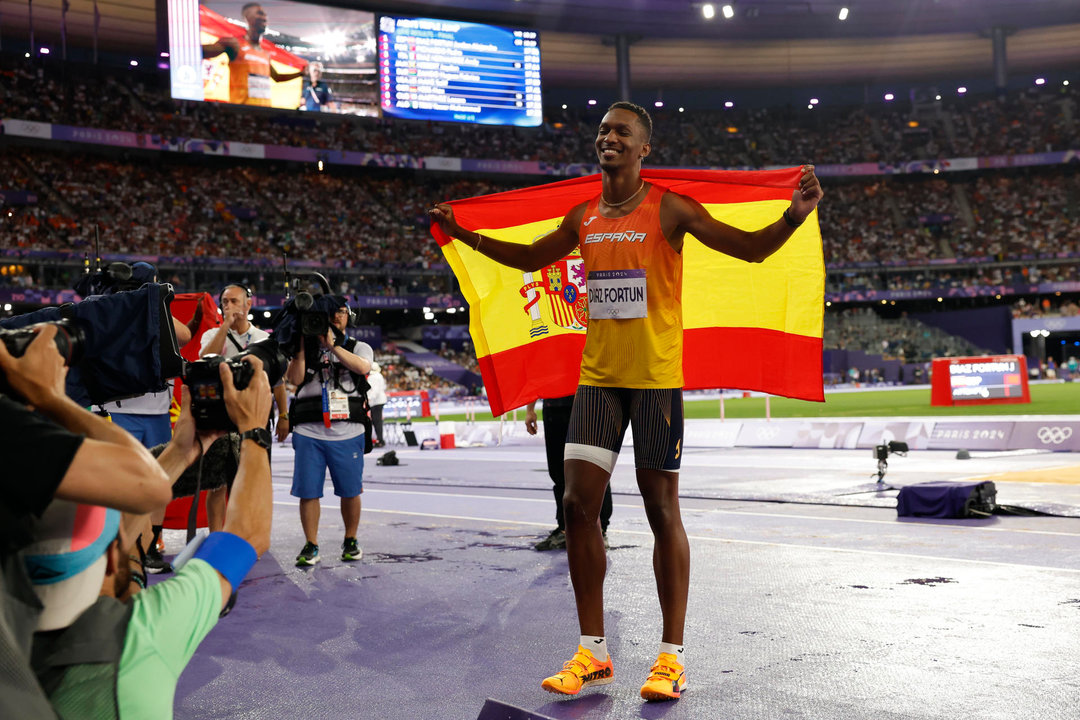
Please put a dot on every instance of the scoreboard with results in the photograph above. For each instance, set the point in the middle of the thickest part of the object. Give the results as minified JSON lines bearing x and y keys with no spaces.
{"x":450,"y":70}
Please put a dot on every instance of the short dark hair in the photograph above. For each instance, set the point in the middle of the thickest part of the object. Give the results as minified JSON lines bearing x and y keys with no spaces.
{"x":642,"y":115}
{"x":249,"y":5}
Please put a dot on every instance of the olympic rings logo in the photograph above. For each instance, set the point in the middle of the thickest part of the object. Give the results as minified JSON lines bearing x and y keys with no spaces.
{"x":1053,"y":435}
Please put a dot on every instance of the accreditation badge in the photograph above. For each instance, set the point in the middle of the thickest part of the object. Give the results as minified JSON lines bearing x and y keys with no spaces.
{"x":339,"y":405}
{"x":617,"y":294}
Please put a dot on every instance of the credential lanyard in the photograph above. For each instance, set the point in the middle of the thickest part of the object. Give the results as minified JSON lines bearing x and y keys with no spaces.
{"x":325,"y":381}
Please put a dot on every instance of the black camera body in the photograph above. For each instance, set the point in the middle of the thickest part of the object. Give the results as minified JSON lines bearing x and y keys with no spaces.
{"x":70,"y":341}
{"x":207,"y":392}
{"x":313,"y":322}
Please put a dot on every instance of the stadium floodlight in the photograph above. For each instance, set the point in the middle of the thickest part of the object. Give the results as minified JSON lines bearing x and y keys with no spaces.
{"x":729,"y":104}
{"x":26,"y":54}
{"x":937,"y":97}
{"x":1065,"y":82}
{"x":708,"y":11}
{"x":810,"y":106}
{"x":163,"y":54}
{"x":889,"y":97}
{"x":843,"y":14}
{"x":961,"y":90}
{"x":591,"y":103}
{"x":7,"y":307}
{"x":1040,"y":81}
{"x":134,"y":63}
{"x":814,"y":101}
{"x":564,"y":106}
{"x":44,"y":51}
{"x":729,"y":12}
{"x":451,"y":311}
{"x":682,"y":109}
{"x":659,"y":103}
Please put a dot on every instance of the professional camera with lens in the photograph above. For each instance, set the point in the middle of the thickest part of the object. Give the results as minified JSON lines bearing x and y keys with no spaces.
{"x":313,"y":321}
{"x":70,"y":341}
{"x":208,"y":394}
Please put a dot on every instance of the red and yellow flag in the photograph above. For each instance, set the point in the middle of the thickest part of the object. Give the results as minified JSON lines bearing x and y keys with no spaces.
{"x":750,"y":326}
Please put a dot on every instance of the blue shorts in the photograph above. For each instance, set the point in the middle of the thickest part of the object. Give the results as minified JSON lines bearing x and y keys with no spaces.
{"x":150,"y":430}
{"x":344,"y":458}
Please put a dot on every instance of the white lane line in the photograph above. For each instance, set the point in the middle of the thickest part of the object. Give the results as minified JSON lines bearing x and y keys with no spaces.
{"x":826,"y":518}
{"x":716,"y":539}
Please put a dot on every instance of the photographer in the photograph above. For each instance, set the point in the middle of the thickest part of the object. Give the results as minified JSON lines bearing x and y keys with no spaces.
{"x":235,"y":335}
{"x":122,"y":655}
{"x":60,"y":451}
{"x":330,"y":418}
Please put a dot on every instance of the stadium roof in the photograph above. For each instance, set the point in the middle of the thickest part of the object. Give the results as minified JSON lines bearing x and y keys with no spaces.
{"x":766,"y":43}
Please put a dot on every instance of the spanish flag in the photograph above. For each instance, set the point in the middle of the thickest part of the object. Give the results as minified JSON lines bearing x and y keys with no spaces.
{"x":749,"y":326}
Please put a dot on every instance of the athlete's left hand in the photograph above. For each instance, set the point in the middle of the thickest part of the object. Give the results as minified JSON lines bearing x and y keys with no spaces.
{"x":805,"y":197}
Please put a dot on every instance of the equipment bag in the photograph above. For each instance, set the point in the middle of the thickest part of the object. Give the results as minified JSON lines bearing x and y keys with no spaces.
{"x":947,"y":500}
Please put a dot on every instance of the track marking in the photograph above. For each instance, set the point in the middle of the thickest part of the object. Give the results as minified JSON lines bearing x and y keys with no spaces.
{"x":707,"y":538}
{"x":720,"y":511}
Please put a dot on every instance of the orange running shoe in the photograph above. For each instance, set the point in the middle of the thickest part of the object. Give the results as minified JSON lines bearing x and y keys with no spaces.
{"x":580,"y":672}
{"x":667,"y":679}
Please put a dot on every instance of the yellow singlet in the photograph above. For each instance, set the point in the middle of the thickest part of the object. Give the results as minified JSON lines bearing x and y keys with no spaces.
{"x":634,"y":279}
{"x":249,"y":76}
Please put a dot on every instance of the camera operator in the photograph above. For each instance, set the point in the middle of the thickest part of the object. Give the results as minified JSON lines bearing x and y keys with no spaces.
{"x":123,"y":654}
{"x":234,"y":336}
{"x":60,"y":451}
{"x":146,"y":416}
{"x":330,"y":419}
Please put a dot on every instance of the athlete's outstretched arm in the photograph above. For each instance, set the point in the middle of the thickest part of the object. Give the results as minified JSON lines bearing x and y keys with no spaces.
{"x":555,"y":245}
{"x":680,"y":215}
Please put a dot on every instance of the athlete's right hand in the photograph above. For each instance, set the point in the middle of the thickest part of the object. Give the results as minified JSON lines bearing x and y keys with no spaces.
{"x":230,"y":43}
{"x":443,"y":214}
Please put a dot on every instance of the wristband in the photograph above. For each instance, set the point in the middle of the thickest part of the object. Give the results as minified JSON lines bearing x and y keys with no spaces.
{"x":229,"y":554}
{"x":790,"y":220}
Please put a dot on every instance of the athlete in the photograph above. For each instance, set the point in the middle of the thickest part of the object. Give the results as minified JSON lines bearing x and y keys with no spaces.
{"x":631,"y":372}
{"x":250,"y":69}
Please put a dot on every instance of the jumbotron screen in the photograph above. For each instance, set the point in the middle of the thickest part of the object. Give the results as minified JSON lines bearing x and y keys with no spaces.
{"x":458,"y":71}
{"x":276,"y":53}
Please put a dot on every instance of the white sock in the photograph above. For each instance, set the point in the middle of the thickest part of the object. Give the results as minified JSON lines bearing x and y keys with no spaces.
{"x":670,"y":649}
{"x":596,"y":645}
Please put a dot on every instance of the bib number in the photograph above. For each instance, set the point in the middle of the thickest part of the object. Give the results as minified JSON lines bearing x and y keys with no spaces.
{"x":259,"y":87}
{"x":617,"y":295}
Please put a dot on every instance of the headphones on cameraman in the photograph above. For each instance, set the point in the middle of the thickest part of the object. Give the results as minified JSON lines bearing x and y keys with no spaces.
{"x":221,"y":295}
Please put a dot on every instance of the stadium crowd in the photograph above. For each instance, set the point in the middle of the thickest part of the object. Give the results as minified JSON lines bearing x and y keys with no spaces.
{"x":1035,"y":120}
{"x":902,"y":338}
{"x":350,"y":219}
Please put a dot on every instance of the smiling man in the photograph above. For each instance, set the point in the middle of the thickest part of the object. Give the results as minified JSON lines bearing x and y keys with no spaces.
{"x":631,"y":239}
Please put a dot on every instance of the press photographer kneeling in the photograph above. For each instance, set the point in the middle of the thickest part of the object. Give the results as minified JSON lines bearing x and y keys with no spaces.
{"x":122,"y":654}
{"x":330,"y":421}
